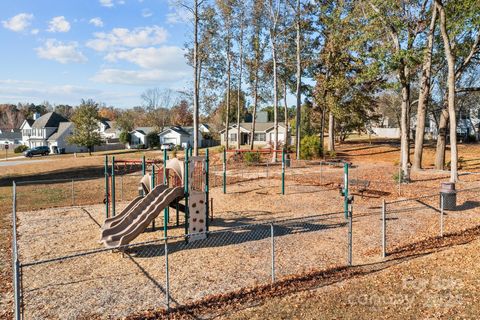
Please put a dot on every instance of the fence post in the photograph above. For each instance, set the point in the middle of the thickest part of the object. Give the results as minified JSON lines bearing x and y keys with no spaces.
{"x":167,"y":277}
{"x":224,"y":171}
{"x":16,"y":263}
{"x":272,"y":235}
{"x":73,"y":192}
{"x":384,"y":229}
{"x":345,"y":188}
{"x":321,"y":172}
{"x":350,"y":235}
{"x":113,"y":186}
{"x":283,"y":172}
{"x":121,"y":186}
{"x":441,"y":215}
{"x":107,"y":194}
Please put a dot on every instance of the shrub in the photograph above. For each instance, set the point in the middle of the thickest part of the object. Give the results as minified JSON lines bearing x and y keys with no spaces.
{"x":310,"y":147}
{"x":153,"y":140}
{"x":251,"y":157}
{"x":332,"y":153}
{"x":399,"y":177}
{"x":124,"y":137}
{"x":20,"y":149}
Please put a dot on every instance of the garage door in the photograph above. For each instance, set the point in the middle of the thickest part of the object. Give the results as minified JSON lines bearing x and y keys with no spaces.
{"x":170,"y":140}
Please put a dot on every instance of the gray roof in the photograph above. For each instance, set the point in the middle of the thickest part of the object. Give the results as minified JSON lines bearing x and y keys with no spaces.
{"x":112,"y":128}
{"x":144,"y":130}
{"x":187,"y":131}
{"x":259,"y":126}
{"x":63,"y":126}
{"x":48,"y":120}
{"x":14,"y":134}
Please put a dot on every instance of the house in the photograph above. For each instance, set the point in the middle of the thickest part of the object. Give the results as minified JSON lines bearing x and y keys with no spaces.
{"x":264,"y":133}
{"x":12,"y":137}
{"x":182,"y":136}
{"x":107,"y":130}
{"x":138,"y":136}
{"x":41,"y":129}
{"x":50,"y":130}
{"x":58,"y":141}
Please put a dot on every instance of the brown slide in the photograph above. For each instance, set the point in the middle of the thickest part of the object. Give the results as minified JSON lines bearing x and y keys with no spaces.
{"x":139,"y":216}
{"x":112,"y":221}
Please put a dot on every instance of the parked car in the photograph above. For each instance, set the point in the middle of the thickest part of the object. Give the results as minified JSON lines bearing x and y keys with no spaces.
{"x":167,"y":146}
{"x":43,"y":151}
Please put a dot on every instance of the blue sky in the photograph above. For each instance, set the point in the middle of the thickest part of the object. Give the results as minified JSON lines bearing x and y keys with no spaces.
{"x":109,"y":50}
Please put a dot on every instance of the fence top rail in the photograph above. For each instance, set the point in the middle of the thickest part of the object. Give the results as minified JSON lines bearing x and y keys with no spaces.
{"x":40,"y":181}
{"x":319,"y":217}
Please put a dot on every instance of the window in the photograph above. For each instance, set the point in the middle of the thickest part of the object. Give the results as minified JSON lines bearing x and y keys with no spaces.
{"x":233,"y":137}
{"x":260,"y":137}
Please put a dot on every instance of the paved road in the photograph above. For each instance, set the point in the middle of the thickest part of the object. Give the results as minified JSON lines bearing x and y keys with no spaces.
{"x":11,"y":158}
{"x":16,"y":163}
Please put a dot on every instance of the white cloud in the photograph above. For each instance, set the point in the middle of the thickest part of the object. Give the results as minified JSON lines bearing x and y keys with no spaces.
{"x":97,"y":22}
{"x":18,"y":23}
{"x":58,"y":24}
{"x":147,"y":13}
{"x":106,"y":3}
{"x":120,"y":38}
{"x":138,"y":77}
{"x":111,"y":3}
{"x":167,"y":58}
{"x":179,"y":15}
{"x":164,"y":64}
{"x":34,"y":31}
{"x":61,"y":52}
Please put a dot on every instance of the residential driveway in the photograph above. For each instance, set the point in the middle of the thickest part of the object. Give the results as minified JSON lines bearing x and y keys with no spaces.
{"x":16,"y":163}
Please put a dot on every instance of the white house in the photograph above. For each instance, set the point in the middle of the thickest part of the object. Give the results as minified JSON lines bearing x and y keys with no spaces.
{"x":50,"y":130}
{"x":264,"y":133}
{"x":182,"y":136}
{"x":108,"y":130}
{"x":58,"y":140}
{"x":138,"y":136}
{"x":11,"y":137}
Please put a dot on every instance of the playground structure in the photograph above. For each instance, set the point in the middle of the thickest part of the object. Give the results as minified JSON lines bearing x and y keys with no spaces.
{"x":181,"y":181}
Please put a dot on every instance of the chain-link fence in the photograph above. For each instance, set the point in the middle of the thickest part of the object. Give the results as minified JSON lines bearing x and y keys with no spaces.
{"x":411,"y":221}
{"x":173,"y":271}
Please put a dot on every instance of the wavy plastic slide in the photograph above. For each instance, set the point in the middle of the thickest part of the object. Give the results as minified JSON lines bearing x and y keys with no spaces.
{"x":133,"y":220}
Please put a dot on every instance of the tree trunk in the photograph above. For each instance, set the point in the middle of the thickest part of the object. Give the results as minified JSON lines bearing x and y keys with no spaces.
{"x":442,"y":138}
{"x":331,"y":132}
{"x":275,"y":100}
{"x":322,"y":132}
{"x":424,"y":95}
{"x":403,"y":76}
{"x":451,"y":93}
{"x":299,"y":83}
{"x":227,"y":116}
{"x":255,"y":102}
{"x":239,"y":140}
{"x":195,"y":85}
{"x":285,"y":110}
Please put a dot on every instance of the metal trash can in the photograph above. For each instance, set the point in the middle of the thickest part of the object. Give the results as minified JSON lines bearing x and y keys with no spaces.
{"x":449,"y":194}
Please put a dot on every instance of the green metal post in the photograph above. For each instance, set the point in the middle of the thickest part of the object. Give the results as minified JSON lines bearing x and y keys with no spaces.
{"x":345,"y":190}
{"x":224,"y":171}
{"x":185,"y":182}
{"x":206,"y":189}
{"x":107,"y":207}
{"x":283,"y":171}
{"x":165,"y":182}
{"x":113,"y":186}
{"x":144,"y":168}
{"x":152,"y":185}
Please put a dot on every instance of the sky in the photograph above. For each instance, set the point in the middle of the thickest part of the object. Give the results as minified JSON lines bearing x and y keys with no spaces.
{"x":62,"y":51}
